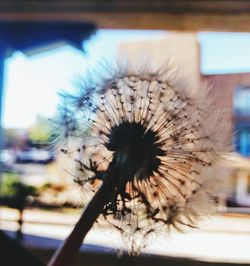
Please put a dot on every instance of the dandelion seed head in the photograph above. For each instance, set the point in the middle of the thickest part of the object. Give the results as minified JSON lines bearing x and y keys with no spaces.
{"x":159,"y":137}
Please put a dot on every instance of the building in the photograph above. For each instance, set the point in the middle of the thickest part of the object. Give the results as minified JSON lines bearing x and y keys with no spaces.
{"x":235,"y":89}
{"x":183,"y":49}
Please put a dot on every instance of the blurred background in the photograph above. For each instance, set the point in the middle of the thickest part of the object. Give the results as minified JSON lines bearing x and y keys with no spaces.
{"x":46,"y":45}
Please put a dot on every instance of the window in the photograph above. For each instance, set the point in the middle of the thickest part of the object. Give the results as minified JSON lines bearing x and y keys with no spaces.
{"x":241,"y":102}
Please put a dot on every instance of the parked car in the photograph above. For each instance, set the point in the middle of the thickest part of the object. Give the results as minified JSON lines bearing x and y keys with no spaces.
{"x":7,"y":156}
{"x":34,"y":155}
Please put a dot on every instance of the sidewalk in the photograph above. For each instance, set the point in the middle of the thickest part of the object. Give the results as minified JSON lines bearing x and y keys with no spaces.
{"x":221,"y":238}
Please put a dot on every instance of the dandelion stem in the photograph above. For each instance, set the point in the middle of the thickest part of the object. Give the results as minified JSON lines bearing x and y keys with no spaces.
{"x":66,"y":253}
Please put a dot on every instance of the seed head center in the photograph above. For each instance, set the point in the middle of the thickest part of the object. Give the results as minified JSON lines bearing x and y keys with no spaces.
{"x":135,"y":150}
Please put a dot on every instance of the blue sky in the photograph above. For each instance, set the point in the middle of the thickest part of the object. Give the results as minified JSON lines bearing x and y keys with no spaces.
{"x":32,"y":83}
{"x":224,"y":52}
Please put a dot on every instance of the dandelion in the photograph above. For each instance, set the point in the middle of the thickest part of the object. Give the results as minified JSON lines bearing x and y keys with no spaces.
{"x":150,"y":142}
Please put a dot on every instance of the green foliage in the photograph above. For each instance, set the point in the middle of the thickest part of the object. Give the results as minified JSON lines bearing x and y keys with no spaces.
{"x":40,"y":132}
{"x":14,"y":193}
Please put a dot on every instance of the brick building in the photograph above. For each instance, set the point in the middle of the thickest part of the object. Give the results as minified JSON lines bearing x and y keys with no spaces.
{"x":184,"y":50}
{"x":235,"y":95}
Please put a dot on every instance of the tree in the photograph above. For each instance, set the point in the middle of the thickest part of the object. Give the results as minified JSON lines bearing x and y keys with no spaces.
{"x":39,"y":132}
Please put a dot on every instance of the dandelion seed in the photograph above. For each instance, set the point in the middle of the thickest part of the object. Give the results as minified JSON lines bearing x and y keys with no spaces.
{"x":155,"y":141}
